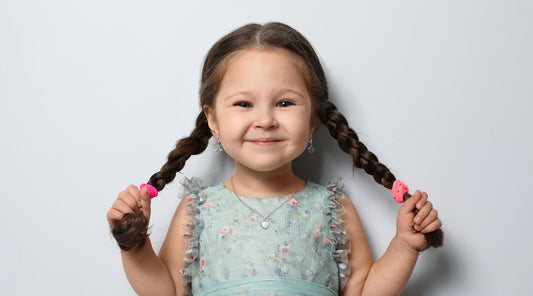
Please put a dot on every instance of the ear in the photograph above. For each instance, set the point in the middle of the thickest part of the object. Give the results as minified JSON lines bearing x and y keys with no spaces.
{"x":209,"y":113}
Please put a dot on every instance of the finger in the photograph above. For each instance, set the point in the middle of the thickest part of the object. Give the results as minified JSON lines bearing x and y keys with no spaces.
{"x":432,"y":217}
{"x":436,"y":224}
{"x":129,"y":199}
{"x":135,"y":193}
{"x":423,"y":199}
{"x":146,"y":202}
{"x":114,"y":215}
{"x":123,"y":207}
{"x":423,"y":212}
{"x":118,"y":210}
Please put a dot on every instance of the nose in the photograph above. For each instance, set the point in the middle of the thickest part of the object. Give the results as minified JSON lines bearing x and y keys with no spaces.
{"x":266,"y":118}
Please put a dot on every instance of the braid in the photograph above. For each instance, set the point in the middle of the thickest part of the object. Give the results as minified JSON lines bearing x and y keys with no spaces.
{"x":362,"y":158}
{"x":132,"y":230}
{"x":195,"y":144}
{"x":349,"y":142}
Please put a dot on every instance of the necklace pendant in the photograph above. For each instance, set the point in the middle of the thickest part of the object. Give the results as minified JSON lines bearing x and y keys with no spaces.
{"x":265,"y":224}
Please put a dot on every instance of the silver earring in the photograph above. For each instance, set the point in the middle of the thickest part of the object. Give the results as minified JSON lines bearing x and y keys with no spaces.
{"x":218,"y":146}
{"x":310,"y":147}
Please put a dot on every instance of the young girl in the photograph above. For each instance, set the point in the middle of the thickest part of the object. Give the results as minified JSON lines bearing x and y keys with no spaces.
{"x":265,"y":231}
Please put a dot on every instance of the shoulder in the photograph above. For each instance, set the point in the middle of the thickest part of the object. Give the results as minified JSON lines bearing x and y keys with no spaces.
{"x":327,"y":190}
{"x":195,"y":192}
{"x":333,"y":190}
{"x":214,"y":189}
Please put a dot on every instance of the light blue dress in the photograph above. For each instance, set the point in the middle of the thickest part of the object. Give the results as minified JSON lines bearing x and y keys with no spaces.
{"x":304,"y":251}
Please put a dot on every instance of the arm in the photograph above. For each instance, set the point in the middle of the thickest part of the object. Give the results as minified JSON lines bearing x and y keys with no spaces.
{"x":389,"y":275}
{"x":146,"y":272}
{"x":173,"y":249}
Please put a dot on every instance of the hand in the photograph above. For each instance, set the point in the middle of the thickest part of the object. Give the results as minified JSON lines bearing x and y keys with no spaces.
{"x":411,"y":227}
{"x":130,"y":200}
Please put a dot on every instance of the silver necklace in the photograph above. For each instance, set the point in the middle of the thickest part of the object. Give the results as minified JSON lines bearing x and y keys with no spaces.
{"x":265,"y":223}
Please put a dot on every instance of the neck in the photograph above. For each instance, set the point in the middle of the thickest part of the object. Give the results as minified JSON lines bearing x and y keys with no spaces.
{"x":276,"y":183}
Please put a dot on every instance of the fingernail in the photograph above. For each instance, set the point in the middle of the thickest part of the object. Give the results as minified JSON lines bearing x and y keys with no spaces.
{"x":139,"y":204}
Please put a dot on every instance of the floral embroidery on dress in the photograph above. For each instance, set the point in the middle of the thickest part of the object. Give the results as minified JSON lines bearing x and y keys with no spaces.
{"x":285,"y":250}
{"x":293,"y":202}
{"x":224,"y":230}
{"x":306,"y":239}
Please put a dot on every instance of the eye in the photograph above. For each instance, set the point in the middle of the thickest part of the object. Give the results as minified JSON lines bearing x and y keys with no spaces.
{"x":285,"y":103}
{"x":243,"y":104}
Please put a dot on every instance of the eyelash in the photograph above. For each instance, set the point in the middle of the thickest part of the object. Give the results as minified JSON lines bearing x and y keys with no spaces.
{"x":286,"y":102}
{"x":282,"y":103}
{"x":243,"y":104}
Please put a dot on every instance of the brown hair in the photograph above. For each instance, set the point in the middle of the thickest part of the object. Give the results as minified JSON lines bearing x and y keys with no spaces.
{"x":130,"y":231}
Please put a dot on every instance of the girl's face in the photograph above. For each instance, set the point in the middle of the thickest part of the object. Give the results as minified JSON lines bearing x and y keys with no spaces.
{"x":262,"y":113}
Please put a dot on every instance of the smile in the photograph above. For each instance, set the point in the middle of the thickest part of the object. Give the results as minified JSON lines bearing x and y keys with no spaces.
{"x":264,"y":141}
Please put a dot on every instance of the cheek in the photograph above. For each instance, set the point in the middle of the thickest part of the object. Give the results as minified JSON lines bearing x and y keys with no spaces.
{"x":231,"y":126}
{"x":302,"y":129}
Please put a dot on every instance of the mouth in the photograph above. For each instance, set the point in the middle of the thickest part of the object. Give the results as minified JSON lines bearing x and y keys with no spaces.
{"x":264,"y":141}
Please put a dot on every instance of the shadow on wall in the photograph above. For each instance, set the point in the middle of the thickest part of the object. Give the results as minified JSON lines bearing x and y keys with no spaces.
{"x":310,"y":166}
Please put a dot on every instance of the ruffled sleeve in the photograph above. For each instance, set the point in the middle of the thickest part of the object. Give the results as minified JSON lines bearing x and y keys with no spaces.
{"x":193,"y":192}
{"x":337,"y":228}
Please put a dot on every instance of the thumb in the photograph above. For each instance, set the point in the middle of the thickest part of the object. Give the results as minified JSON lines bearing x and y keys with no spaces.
{"x":146,"y":202}
{"x":410,"y":204}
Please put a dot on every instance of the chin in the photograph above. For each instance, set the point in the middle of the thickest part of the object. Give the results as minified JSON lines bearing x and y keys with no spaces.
{"x":270,"y":166}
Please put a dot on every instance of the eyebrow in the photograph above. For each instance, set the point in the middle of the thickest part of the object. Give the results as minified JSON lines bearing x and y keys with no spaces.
{"x":293,"y":91}
{"x":248,"y":93}
{"x":245,"y":93}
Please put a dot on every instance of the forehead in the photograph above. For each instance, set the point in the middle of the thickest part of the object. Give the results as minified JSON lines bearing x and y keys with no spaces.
{"x":258,"y":68}
{"x":252,"y":52}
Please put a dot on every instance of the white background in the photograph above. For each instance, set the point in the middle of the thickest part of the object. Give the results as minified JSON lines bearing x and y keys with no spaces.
{"x":94,"y":94}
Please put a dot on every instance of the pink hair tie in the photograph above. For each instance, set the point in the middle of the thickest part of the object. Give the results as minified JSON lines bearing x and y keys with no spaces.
{"x":151,"y":190}
{"x":399,"y":189}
